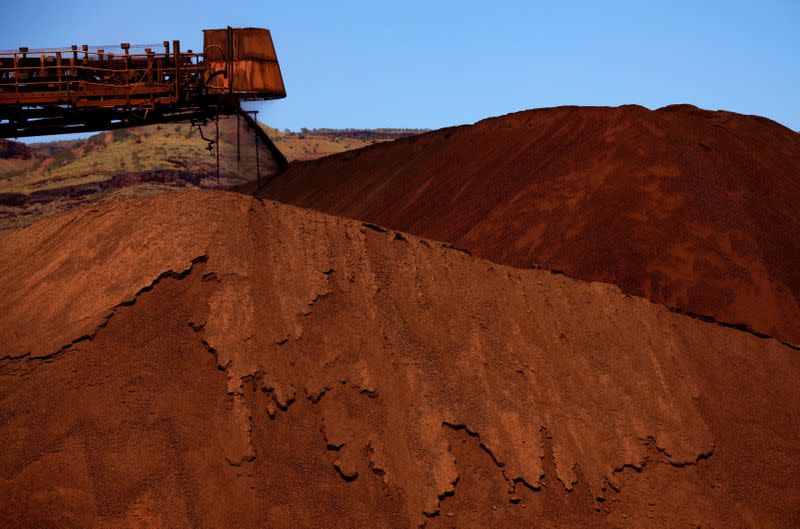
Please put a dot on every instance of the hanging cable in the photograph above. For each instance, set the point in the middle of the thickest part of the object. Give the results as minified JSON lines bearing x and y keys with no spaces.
{"x":217,"y":142}
{"x":258,"y":163}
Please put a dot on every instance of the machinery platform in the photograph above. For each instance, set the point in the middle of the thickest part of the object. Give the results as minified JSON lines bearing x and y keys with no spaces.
{"x":92,"y":88}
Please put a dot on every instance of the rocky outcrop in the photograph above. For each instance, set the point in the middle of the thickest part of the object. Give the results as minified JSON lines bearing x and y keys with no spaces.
{"x":13,"y":149}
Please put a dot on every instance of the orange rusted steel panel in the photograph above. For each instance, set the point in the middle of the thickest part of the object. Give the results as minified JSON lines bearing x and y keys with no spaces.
{"x":248,"y":58}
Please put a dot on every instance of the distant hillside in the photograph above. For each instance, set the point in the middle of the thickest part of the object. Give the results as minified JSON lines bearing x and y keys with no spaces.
{"x":310,"y":144}
{"x":109,"y":154}
{"x":43,"y":178}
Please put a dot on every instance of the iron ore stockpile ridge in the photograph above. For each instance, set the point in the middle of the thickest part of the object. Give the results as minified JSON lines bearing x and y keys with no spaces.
{"x":206,"y":359}
{"x":689,"y":208}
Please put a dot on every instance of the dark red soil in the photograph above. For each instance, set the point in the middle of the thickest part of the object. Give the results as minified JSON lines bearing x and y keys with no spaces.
{"x":686,"y":207}
{"x":208,"y":360}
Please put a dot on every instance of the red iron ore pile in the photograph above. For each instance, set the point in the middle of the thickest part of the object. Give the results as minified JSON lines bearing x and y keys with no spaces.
{"x":209,"y":359}
{"x":692,"y":209}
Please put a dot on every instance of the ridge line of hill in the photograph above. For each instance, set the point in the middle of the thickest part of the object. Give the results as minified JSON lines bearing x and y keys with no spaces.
{"x":742,"y":327}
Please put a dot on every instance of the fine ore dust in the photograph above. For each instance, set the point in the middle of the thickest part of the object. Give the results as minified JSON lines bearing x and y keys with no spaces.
{"x":206,"y":359}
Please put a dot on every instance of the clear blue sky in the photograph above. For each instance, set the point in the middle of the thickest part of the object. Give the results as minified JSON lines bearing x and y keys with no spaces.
{"x":432,"y":64}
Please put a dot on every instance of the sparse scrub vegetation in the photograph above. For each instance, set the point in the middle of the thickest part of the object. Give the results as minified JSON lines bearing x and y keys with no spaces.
{"x":166,"y":147}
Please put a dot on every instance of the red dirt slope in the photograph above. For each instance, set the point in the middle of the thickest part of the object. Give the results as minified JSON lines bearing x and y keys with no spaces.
{"x":204,"y":359}
{"x":689,"y":208}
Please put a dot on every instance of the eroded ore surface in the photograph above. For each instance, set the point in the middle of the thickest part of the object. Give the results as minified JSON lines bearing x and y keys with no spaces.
{"x":205,"y":359}
{"x":685,"y":207}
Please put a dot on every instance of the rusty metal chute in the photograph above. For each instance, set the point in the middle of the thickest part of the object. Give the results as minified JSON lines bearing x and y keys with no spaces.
{"x":248,"y":57}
